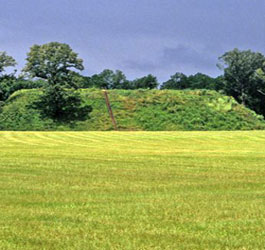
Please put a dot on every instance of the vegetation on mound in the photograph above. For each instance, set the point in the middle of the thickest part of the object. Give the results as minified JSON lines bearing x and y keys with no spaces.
{"x":56,"y":63}
{"x":151,"y":110}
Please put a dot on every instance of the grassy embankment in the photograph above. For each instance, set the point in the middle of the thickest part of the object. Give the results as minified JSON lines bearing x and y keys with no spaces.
{"x":132,"y":190}
{"x":151,"y":110}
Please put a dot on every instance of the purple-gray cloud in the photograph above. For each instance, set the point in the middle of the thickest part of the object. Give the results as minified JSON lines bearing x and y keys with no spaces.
{"x":136,"y":36}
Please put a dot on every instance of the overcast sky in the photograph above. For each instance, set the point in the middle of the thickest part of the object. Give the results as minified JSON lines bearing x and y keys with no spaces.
{"x":139,"y":37}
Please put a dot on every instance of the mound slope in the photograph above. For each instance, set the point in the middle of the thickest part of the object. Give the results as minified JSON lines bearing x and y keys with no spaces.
{"x":149,"y":110}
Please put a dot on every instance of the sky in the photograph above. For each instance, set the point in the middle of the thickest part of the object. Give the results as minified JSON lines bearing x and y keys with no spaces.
{"x":139,"y":37}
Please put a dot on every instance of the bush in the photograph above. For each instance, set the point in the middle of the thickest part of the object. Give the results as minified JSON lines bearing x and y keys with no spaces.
{"x":9,"y":85}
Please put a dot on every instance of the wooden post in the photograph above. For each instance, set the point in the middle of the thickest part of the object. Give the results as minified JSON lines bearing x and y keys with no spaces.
{"x":110,"y":109}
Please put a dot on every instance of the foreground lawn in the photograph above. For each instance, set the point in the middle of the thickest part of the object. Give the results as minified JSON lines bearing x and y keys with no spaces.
{"x":132,"y":190}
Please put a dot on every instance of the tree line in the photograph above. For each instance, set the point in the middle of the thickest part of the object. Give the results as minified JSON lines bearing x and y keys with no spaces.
{"x":56,"y":68}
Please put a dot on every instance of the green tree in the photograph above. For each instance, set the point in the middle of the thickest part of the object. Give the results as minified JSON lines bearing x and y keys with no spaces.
{"x":53,"y":62}
{"x":239,"y":74}
{"x":120,"y":81}
{"x":258,"y":91}
{"x":6,"y":80}
{"x":197,"y":81}
{"x":176,"y":81}
{"x":108,"y":79}
{"x":6,"y":61}
{"x":146,"y":82}
{"x":202,"y":81}
{"x":11,"y":84}
{"x":260,"y":75}
{"x":80,"y":81}
{"x":62,"y":104}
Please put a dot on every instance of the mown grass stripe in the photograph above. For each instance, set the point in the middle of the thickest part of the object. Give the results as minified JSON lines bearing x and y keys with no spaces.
{"x":132,"y":190}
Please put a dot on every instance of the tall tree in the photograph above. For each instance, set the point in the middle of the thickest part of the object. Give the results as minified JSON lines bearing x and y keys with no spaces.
{"x":239,"y":70}
{"x":6,"y":80}
{"x":53,"y":62}
{"x":6,"y":61}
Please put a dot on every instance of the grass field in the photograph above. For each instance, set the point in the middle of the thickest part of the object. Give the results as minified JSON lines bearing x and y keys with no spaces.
{"x":132,"y":190}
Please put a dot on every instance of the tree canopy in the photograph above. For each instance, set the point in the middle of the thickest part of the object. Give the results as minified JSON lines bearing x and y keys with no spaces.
{"x":146,"y":82}
{"x":53,"y":62}
{"x":108,"y":79}
{"x":239,"y":71}
{"x":197,"y":81}
{"x":6,"y":61}
{"x":176,"y":81}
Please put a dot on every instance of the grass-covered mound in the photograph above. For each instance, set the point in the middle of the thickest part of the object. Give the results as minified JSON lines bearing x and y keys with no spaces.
{"x":138,"y":110}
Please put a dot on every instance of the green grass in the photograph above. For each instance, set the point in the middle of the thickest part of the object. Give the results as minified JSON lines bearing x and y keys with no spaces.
{"x":132,"y":190}
{"x":138,"y":110}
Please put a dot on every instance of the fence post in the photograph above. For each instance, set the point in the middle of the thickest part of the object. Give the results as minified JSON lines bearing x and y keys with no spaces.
{"x":110,"y":109}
